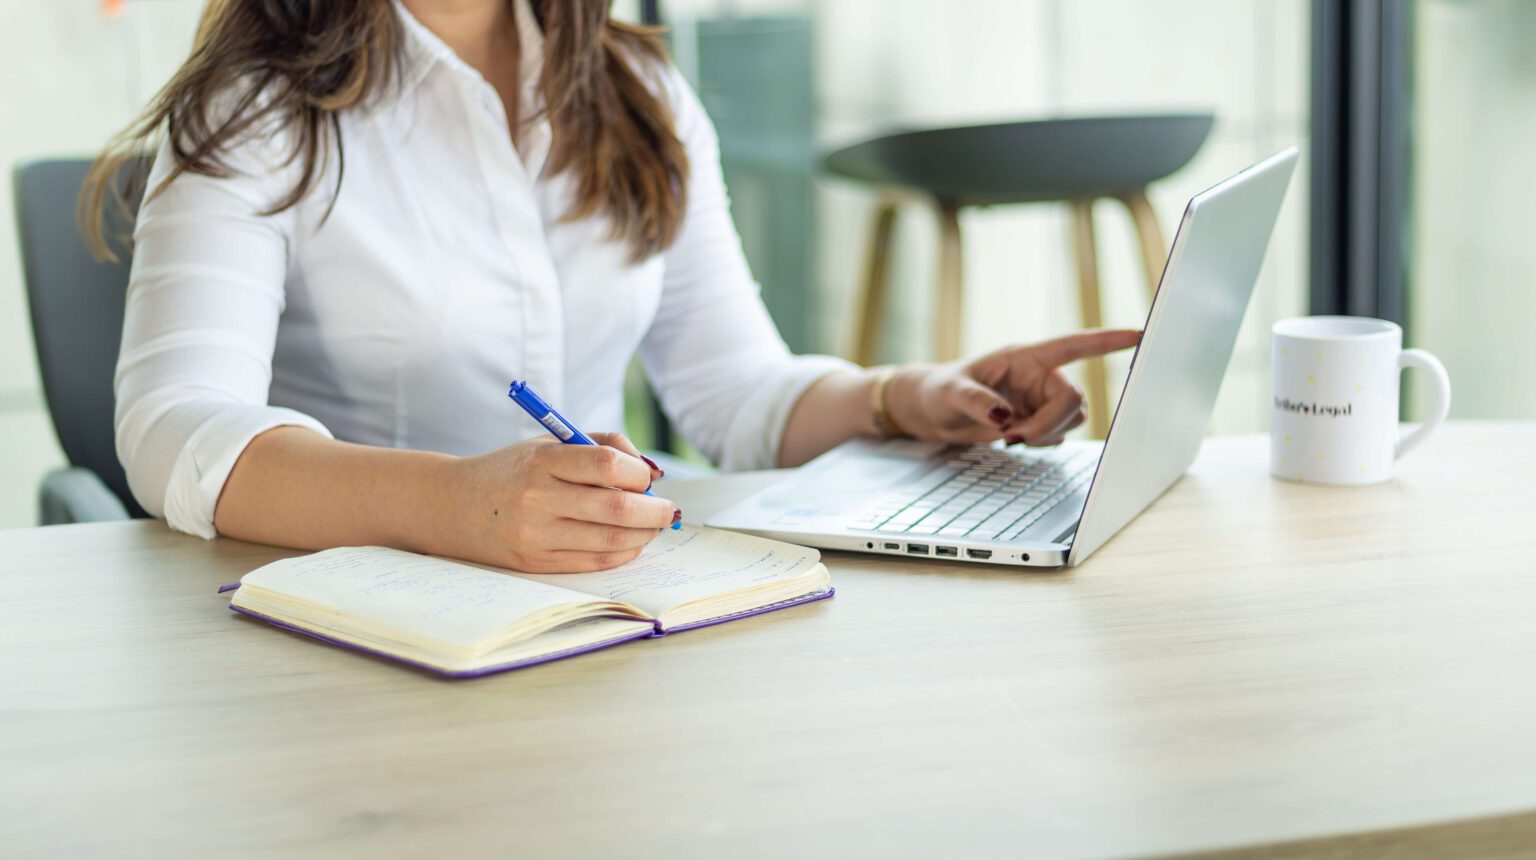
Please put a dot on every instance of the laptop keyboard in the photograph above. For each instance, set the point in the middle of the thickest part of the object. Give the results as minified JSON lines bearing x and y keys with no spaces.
{"x":983,"y":493}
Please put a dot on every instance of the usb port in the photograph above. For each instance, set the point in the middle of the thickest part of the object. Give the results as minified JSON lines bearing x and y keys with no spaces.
{"x":917,"y":548}
{"x":893,"y":546}
{"x":946,"y":550}
{"x":978,"y":553}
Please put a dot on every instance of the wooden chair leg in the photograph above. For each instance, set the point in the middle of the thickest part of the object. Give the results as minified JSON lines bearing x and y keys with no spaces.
{"x":871,"y":301}
{"x":949,"y":299}
{"x":1084,"y":245}
{"x":1154,"y":250}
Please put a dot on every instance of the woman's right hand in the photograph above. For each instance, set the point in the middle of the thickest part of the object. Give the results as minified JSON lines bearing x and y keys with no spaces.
{"x":540,"y":506}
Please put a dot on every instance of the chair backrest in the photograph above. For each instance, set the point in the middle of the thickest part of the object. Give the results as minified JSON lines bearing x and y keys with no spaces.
{"x":77,"y":315}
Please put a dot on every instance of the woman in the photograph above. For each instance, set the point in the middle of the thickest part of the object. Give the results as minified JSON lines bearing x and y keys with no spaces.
{"x":368,"y":215}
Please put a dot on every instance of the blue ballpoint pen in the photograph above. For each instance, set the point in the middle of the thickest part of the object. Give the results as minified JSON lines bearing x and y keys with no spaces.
{"x":557,"y":424}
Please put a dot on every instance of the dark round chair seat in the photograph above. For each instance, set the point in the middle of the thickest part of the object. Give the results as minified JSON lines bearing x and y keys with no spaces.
{"x":1026,"y":162}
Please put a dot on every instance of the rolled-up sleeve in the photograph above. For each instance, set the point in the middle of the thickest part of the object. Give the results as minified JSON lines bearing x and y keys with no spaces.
{"x":719,"y":365}
{"x":204,"y":298}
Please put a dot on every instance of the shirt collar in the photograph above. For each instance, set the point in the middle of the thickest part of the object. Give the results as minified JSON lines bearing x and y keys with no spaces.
{"x":423,"y":50}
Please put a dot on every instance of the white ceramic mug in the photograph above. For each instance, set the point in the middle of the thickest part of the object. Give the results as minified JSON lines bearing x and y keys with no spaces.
{"x":1336,"y":387}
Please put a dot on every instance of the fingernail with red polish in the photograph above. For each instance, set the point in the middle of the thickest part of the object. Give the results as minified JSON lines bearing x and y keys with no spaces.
{"x":1000,"y":415}
{"x":677,"y":516}
{"x":1015,"y":440}
{"x":654,"y":468}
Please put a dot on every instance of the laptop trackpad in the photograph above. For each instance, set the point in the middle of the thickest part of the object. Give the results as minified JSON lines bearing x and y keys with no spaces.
{"x":845,"y":485}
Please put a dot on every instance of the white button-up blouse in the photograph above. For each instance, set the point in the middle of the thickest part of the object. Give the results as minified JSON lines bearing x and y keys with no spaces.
{"x":443,"y":270}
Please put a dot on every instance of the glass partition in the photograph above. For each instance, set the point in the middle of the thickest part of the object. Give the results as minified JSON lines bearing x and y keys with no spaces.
{"x":1472,"y":283}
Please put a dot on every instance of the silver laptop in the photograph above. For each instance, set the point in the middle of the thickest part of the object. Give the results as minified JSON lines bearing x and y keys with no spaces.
{"x":990,"y":504}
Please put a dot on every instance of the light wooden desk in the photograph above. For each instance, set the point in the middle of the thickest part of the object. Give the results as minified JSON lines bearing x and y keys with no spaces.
{"x":1251,"y":663}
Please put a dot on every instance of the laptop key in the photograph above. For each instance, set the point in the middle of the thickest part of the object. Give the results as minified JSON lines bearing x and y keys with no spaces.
{"x":934,"y":521}
{"x":995,"y":525}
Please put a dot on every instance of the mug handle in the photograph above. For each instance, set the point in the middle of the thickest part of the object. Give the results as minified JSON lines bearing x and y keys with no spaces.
{"x":1442,"y":402}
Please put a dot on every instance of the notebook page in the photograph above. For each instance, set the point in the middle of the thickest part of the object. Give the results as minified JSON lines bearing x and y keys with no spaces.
{"x":418,"y":595}
{"x":695,"y":562}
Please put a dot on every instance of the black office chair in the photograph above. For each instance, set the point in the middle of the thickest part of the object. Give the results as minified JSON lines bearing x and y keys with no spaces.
{"x":77,"y":324}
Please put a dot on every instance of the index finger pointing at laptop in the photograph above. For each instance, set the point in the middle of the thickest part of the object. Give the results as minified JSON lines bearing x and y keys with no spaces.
{"x":1086,"y":344}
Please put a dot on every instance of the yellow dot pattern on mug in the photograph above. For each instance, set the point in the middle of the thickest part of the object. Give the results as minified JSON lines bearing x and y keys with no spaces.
{"x":1312,"y":379}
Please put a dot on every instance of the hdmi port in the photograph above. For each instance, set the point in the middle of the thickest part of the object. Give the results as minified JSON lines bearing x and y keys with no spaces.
{"x":978,"y":553}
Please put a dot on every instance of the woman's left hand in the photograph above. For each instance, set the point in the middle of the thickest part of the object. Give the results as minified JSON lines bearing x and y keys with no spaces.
{"x":1018,"y":392}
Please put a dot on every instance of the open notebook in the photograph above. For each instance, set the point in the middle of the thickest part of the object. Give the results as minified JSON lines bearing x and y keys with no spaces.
{"x":464,"y":620}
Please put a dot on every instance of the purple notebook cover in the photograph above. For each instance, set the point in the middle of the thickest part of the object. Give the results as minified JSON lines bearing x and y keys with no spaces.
{"x":657,"y":632}
{"x":772,"y":607}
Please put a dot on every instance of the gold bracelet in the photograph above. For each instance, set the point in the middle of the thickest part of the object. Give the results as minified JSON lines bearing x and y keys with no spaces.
{"x":885,"y":425}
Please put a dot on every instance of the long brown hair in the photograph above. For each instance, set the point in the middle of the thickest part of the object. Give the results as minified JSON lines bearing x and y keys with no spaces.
{"x":297,"y":63}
